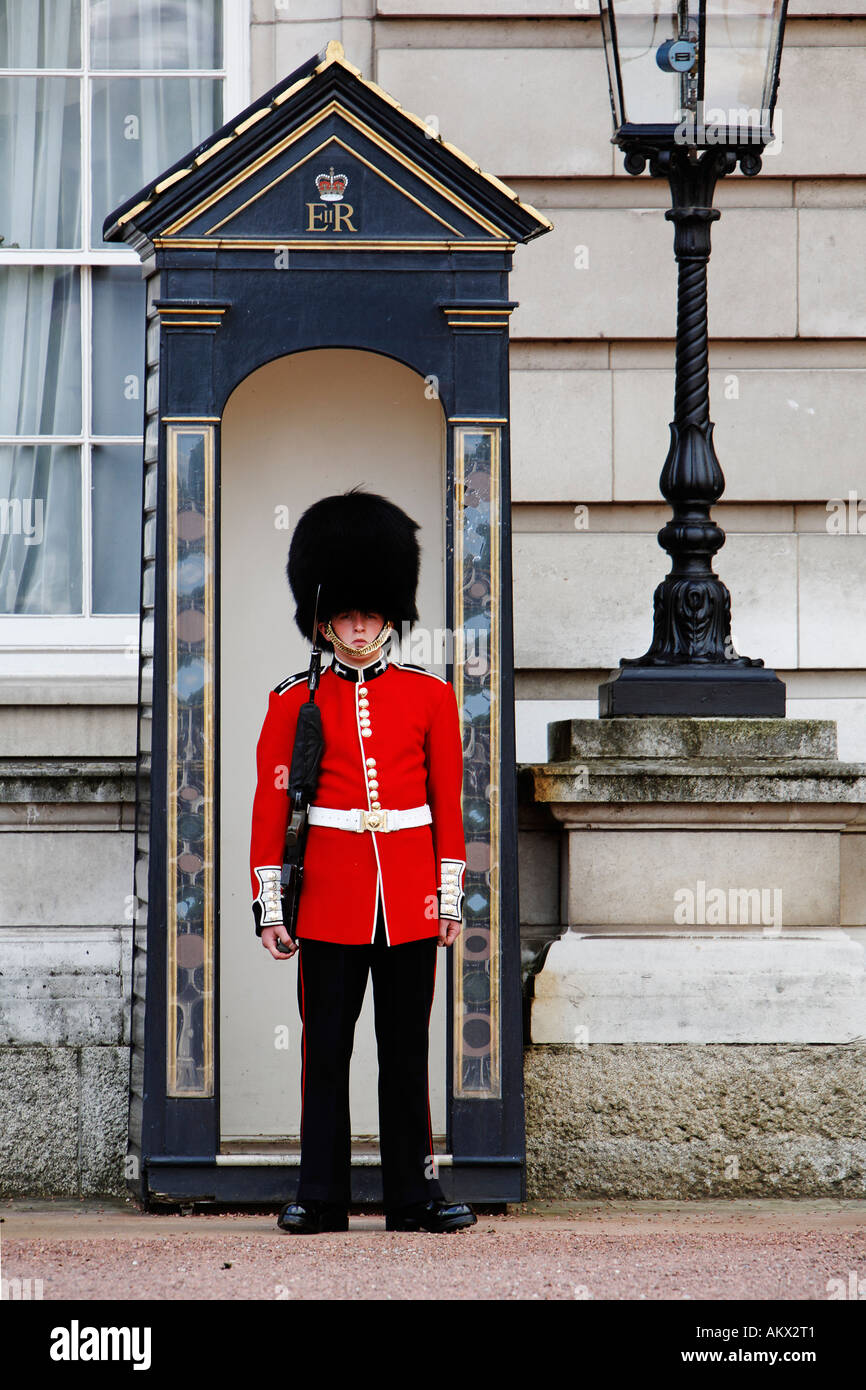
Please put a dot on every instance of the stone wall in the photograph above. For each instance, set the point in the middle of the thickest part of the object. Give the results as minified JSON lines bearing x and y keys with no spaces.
{"x":671,"y":1121}
{"x":66,"y":947}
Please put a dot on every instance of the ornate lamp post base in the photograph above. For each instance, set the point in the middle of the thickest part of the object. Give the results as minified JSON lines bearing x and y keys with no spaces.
{"x":708,"y":691}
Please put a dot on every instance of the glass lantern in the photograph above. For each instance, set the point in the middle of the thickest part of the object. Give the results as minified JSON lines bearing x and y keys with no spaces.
{"x":699,"y":72}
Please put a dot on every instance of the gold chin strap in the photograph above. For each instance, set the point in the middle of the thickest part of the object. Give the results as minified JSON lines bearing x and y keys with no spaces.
{"x":368,"y":650}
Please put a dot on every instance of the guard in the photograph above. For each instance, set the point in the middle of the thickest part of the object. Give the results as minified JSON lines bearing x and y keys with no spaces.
{"x":384,"y":860}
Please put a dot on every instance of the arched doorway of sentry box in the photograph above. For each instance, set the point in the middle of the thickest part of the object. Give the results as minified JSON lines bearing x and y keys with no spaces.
{"x":299,"y":428}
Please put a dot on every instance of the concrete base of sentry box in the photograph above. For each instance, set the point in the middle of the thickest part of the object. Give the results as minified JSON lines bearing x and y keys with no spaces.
{"x":675,"y":1121}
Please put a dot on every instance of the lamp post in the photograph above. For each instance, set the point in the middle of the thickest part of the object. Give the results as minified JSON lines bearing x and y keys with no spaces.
{"x":693,"y":89}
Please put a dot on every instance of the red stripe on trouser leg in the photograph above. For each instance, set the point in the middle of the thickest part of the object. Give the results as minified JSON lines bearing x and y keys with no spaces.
{"x":303,"y":1037}
{"x":429,"y":1121}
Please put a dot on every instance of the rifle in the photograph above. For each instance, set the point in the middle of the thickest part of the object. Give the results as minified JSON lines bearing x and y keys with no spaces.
{"x":303,"y":777}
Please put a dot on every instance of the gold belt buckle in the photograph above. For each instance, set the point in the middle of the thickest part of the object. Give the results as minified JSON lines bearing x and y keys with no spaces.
{"x":375,"y":820}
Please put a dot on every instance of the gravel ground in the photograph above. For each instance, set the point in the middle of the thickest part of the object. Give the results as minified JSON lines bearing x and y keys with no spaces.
{"x":614,"y":1251}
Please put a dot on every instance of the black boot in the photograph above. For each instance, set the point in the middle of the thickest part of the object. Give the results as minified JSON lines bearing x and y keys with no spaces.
{"x":438,"y":1216}
{"x":312,"y":1218}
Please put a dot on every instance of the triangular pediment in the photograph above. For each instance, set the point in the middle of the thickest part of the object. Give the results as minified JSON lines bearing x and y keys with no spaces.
{"x":327,"y":159}
{"x":335,"y":176}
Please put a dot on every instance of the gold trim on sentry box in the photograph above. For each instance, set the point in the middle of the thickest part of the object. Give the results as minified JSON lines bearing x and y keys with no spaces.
{"x":207,"y":435}
{"x":494,"y":1089}
{"x":343,"y":243}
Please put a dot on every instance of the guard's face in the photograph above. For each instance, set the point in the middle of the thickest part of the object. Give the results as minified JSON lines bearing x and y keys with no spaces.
{"x":355,"y":628}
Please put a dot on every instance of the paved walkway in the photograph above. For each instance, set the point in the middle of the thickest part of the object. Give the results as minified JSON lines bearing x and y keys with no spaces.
{"x":715,"y":1250}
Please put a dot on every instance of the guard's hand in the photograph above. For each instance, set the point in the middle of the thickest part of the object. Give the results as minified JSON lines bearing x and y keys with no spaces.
{"x":448,"y":931}
{"x":269,"y":938}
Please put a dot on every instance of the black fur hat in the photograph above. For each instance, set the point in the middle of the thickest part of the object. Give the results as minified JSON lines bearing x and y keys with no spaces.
{"x":362,"y":549}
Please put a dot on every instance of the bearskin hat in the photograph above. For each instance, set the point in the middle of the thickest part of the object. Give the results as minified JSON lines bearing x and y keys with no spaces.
{"x":363,"y":551}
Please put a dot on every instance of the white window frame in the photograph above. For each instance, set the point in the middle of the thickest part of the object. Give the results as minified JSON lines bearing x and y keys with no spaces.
{"x":93,"y":645}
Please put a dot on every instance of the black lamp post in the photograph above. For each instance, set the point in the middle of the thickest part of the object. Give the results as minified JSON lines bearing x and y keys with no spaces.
{"x":693,"y":89}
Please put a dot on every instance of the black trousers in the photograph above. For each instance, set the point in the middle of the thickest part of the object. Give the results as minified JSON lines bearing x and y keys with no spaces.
{"x":332,"y":980}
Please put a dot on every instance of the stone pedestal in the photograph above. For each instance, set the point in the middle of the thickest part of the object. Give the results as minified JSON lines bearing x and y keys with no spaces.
{"x":711,"y":885}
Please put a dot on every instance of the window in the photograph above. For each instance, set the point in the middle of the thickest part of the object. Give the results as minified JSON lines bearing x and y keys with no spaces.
{"x":96,"y":98}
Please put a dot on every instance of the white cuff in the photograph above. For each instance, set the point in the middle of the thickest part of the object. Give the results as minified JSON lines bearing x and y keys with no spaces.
{"x":270,"y":894}
{"x":451,"y":890}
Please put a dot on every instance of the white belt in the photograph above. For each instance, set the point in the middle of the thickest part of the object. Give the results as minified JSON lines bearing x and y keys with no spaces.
{"x":361,"y":820}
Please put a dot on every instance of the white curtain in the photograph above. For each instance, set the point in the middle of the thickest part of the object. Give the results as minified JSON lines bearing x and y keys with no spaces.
{"x":142,"y":125}
{"x":40,"y":529}
{"x":40,"y":33}
{"x":157,"y":34}
{"x":40,"y":393}
{"x":40,"y":333}
{"x":40,"y":209}
{"x":39,"y":116}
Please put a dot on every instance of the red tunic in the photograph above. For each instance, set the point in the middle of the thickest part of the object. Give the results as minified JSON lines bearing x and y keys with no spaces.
{"x":392,"y":735}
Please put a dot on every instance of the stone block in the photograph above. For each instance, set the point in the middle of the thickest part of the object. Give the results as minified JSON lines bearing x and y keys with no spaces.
{"x":772,"y":427}
{"x":104,"y":1105}
{"x":560,"y":436}
{"x":564,"y":584}
{"x":832,"y":594}
{"x":295,"y":42}
{"x":678,"y":1122}
{"x":852,"y":853}
{"x":610,"y":272}
{"x":262,"y":76}
{"x":76,"y":731}
{"x":533,"y":718}
{"x":556,"y":99}
{"x":827,"y":78}
{"x":62,"y":987}
{"x":695,"y":738}
{"x":807,"y":9}
{"x":585,"y":600}
{"x":473,"y":9}
{"x":734,"y":987}
{"x":71,"y":880}
{"x":626,"y":876}
{"x":832,"y":292}
{"x":538,"y":873}
{"x":849,"y":716}
{"x":39,"y":1113}
{"x":295,"y":11}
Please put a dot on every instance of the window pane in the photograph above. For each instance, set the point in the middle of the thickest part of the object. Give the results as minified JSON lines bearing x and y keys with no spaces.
{"x":140,"y":127}
{"x":118,"y":350}
{"x":40,"y":162}
{"x":116,"y":496}
{"x":40,"y":33}
{"x":40,"y":529}
{"x":126,"y":34}
{"x":40,"y":350}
